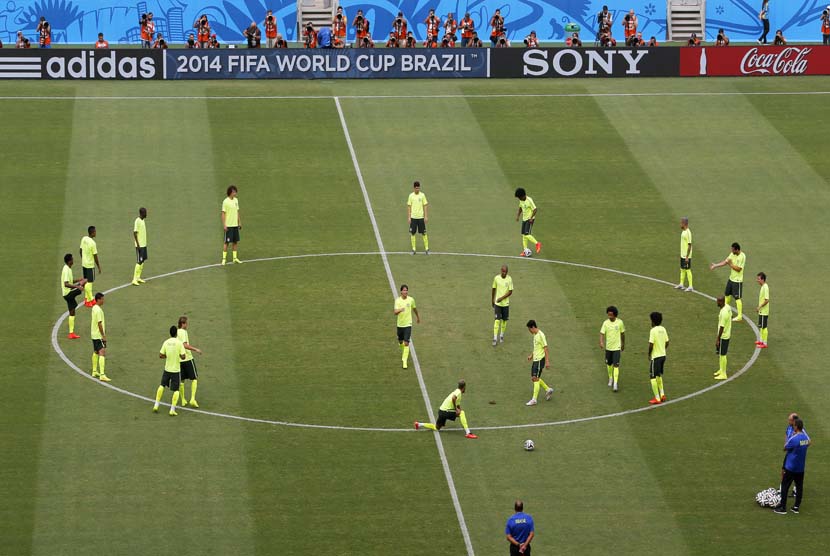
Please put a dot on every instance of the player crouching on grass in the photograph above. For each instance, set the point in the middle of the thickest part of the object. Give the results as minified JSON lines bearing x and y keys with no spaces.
{"x":449,"y":410}
{"x":541,"y":360}
{"x":172,"y":351}
{"x":527,"y":211}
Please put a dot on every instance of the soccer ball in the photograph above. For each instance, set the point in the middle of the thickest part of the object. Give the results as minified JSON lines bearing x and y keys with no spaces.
{"x":529,"y":445}
{"x":527,"y":252}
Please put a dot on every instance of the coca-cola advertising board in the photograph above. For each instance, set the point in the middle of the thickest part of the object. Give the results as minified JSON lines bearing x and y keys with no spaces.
{"x":755,"y":60}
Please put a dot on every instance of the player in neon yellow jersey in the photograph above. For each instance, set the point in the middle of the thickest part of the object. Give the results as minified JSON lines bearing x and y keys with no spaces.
{"x":231,"y":223}
{"x":500,"y":300}
{"x":724,"y":334}
{"x":140,"y":240}
{"x":658,"y":345}
{"x":173,"y":352}
{"x":540,"y":360}
{"x":404,"y":307}
{"x":763,"y":309}
{"x":89,"y":260}
{"x":98,"y":333}
{"x":612,"y":340}
{"x":188,"y":366}
{"x":685,"y":255}
{"x":527,"y":212}
{"x":417,"y":214}
{"x":70,"y":289}
{"x":735,"y":285}
{"x":448,"y":411}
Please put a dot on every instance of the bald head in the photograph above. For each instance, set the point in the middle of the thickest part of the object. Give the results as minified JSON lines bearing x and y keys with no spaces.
{"x":518,"y":505}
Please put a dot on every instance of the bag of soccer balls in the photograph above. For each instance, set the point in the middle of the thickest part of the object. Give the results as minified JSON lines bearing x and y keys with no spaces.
{"x":768,"y":498}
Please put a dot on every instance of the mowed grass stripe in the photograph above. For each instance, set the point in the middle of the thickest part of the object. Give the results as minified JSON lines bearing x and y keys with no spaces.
{"x":307,"y":334}
{"x":33,"y":191}
{"x":132,"y":486}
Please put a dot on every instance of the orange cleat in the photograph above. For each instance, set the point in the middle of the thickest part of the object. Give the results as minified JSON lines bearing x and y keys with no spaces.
{"x":662,"y":398}
{"x":538,"y":246}
{"x":654,"y":401}
{"x":522,"y":254}
{"x":470,"y":435}
{"x":762,"y":345}
{"x":417,"y":425}
{"x":89,"y":303}
{"x":73,"y":336}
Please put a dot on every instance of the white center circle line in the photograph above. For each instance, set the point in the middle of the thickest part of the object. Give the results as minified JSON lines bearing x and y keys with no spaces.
{"x":56,"y":346}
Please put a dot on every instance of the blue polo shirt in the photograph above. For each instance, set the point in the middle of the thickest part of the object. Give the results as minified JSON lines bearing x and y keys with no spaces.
{"x":790,"y":431}
{"x":519,"y":526}
{"x":796,"y":448}
{"x":324,"y":38}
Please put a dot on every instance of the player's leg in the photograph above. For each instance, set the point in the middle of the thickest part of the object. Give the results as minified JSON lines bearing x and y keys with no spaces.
{"x":72,"y":304}
{"x":405,"y":354}
{"x":89,"y":276}
{"x":496,"y":328}
{"x":503,"y":329}
{"x":194,"y":383}
{"x":660,"y":388}
{"x":654,"y":364}
{"x":165,"y":380}
{"x":722,"y":351}
{"x":225,"y":249}
{"x":463,"y":417}
{"x":689,"y":276}
{"x":175,"y":383}
{"x":137,"y":268}
{"x":535,"y":370}
{"x":609,"y":365}
{"x":102,"y":364}
{"x":235,"y":253}
{"x":739,"y":304}
{"x":798,"y":489}
{"x":95,"y":373}
{"x":423,"y":230}
{"x":763,"y":321}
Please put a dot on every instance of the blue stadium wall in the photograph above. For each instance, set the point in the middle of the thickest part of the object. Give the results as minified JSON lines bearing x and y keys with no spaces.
{"x":80,"y":21}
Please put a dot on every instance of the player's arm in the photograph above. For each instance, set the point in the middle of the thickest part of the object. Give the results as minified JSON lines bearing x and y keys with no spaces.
{"x":408,"y":213}
{"x":651,"y":347}
{"x":720,"y":332}
{"x":97,"y":263}
{"x":602,"y":340}
{"x":533,"y":214}
{"x":518,"y":214}
{"x":622,"y":341}
{"x":547,"y":358}
{"x":426,"y":212}
{"x":764,"y":304}
{"x":239,"y":218}
{"x":135,"y":238}
{"x":417,"y":316}
{"x":162,"y":355}
{"x":493,"y":296}
{"x":513,"y":541}
{"x":223,"y":221}
{"x":192,"y":348}
{"x":397,"y":311}
{"x":505,"y":296}
{"x":724,"y":262}
{"x":688,"y":250}
{"x":734,"y":267}
{"x":101,"y":330}
{"x":456,"y":405}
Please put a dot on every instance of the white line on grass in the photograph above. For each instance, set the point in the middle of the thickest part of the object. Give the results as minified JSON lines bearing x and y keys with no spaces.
{"x":438,"y":442}
{"x":438,"y":96}
{"x":74,"y":367}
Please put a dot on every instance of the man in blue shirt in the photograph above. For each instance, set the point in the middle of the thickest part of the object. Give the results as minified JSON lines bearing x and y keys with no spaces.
{"x":324,"y":37}
{"x":794,"y":463}
{"x":519,"y":531}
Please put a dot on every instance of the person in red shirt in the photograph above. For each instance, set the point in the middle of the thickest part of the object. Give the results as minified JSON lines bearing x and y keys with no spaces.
{"x":151,"y":29}
{"x":101,"y":43}
{"x":214,"y":42}
{"x":653,"y":42}
{"x":361,"y":28}
{"x":722,"y":39}
{"x":451,"y":27}
{"x":309,"y":36}
{"x":280,"y":43}
{"x":202,"y":31}
{"x":393,"y":40}
{"x":160,"y":43}
{"x":629,"y":25}
{"x":410,"y":41}
{"x":531,"y":41}
{"x":338,"y":26}
{"x":191,"y":41}
{"x":497,"y":27}
{"x":433,"y":23}
{"x":468,"y":27}
{"x":825,"y":27}
{"x":399,"y":27}
{"x":45,"y":33}
{"x":270,"y":30}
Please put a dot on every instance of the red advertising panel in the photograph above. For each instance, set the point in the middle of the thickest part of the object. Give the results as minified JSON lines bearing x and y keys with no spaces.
{"x":755,"y":60}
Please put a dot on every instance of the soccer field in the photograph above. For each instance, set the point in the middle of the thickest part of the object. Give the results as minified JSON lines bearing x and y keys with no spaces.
{"x":304,"y":441}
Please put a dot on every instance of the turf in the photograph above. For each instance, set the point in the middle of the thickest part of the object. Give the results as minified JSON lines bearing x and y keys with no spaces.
{"x":311,"y":340}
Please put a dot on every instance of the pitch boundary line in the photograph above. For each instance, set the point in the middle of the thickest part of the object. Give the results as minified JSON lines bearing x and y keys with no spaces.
{"x":393,"y":286}
{"x":56,"y":346}
{"x":438,"y":96}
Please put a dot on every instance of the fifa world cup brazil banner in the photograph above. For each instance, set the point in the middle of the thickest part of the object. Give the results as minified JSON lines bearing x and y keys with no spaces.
{"x":326,"y":64}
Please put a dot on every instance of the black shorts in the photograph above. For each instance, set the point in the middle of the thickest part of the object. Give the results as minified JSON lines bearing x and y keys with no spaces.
{"x":98,"y":345}
{"x":71,"y":302}
{"x":502,"y":313}
{"x":735,"y":289}
{"x":444,"y":416}
{"x":762,"y":321}
{"x":527,"y":227}
{"x":89,"y":274}
{"x":612,"y":357}
{"x":514,"y":551}
{"x":232,"y":235}
{"x":537,"y":367}
{"x":404,"y":333}
{"x":724,"y":347}
{"x":188,"y":370}
{"x":140,"y":255}
{"x":417,"y":226}
{"x":655,"y":369}
{"x":684,"y":265}
{"x":171,"y":380}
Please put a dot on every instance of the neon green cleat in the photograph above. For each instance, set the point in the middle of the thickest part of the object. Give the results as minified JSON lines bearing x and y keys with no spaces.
{"x":193,"y":403}
{"x":155,"y":409}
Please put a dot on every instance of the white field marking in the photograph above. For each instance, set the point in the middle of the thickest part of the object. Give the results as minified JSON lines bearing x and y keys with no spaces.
{"x":446,"y":96}
{"x":462,"y":523}
{"x":86,"y":375}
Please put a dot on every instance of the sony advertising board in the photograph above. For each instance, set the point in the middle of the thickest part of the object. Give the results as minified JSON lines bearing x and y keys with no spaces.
{"x":585,"y":62}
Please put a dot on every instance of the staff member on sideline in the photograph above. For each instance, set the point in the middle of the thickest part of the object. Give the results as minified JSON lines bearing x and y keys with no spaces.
{"x":794,"y":464}
{"x":519,"y":530}
{"x":763,"y":15}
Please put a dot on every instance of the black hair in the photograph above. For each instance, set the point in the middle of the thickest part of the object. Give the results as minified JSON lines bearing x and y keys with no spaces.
{"x":173,"y":331}
{"x":404,"y":286}
{"x":762,"y":276}
{"x":417,"y":183}
{"x":231,"y":188}
{"x":98,"y":296}
{"x":520,"y":192}
{"x":798,"y":423}
{"x":612,"y":309}
{"x":656,"y":318}
{"x":462,"y":383}
{"x":90,"y":229}
{"x":518,"y":505}
{"x":531,"y":324}
{"x":67,"y":257}
{"x":736,"y":245}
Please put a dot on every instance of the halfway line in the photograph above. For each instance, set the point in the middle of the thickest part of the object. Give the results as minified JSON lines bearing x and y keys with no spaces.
{"x":438,"y":442}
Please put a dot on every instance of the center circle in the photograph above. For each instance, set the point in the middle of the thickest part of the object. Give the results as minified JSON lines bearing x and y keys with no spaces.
{"x":56,"y":346}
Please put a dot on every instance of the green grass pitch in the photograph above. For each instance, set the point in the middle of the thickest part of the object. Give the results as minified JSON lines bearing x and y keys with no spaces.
{"x":86,"y":469}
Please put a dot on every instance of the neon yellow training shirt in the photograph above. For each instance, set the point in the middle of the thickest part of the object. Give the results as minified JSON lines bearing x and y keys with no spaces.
{"x":763,"y":295}
{"x":141,"y":228}
{"x":405,"y":317}
{"x":448,"y":405}
{"x":737,"y":260}
{"x":66,"y":276}
{"x":725,"y":320}
{"x":97,"y":316}
{"x":88,"y":249}
{"x":503,"y":285}
{"x":173,"y":349}
{"x":417,"y":202}
{"x":658,"y":338}
{"x":527,"y":206}
{"x":184,"y":339}
{"x":231,"y":209}
{"x":685,"y":242}
{"x":540,"y":342}
{"x":613,"y":334}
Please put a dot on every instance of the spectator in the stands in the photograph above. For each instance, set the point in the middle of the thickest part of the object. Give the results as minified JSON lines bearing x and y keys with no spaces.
{"x":280,"y":42}
{"x":361,"y":28}
{"x":202,"y":31}
{"x":779,"y":39}
{"x":309,"y":36}
{"x":253,"y":35}
{"x":399,"y":28}
{"x":475,"y":42}
{"x":694,"y":40}
{"x":721,"y":39}
{"x":191,"y":41}
{"x":468,"y":28}
{"x":531,"y":41}
{"x":270,"y":30}
{"x":101,"y":42}
{"x":496,"y":28}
